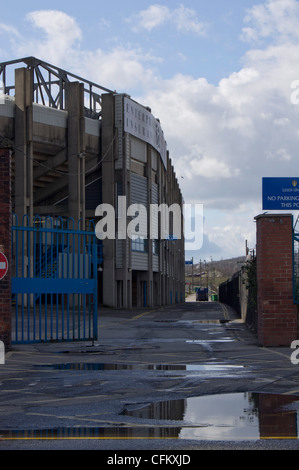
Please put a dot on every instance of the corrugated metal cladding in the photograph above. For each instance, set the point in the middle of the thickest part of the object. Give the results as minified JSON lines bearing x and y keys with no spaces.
{"x":155,"y":194}
{"x":119,"y":128}
{"x":139,"y":261}
{"x":155,"y":263}
{"x":127,"y":147}
{"x":139,"y":195}
{"x":155,"y":200}
{"x":119,"y":249}
{"x":119,"y":244}
{"x":139,"y":192}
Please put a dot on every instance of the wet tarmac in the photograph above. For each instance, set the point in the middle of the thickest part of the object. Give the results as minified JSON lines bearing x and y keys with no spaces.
{"x":188,"y":377}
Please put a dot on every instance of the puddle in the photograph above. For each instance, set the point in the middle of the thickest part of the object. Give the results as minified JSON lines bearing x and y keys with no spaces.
{"x":165,"y":321}
{"x":97,"y":366}
{"x":237,"y":416}
{"x":159,"y":367}
{"x":115,"y":432}
{"x":212,"y":367}
{"x":207,"y":341}
{"x":208,"y":322}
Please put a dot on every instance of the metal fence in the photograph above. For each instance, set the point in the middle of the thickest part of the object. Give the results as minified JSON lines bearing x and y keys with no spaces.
{"x":54,"y":281}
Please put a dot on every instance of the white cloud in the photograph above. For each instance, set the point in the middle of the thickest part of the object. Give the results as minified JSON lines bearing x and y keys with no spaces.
{"x":56,"y":24}
{"x":211,"y":168}
{"x":185,"y":19}
{"x":8,"y":29}
{"x":61,"y":36}
{"x":153,"y":17}
{"x":182,"y":18}
{"x":56,"y":39}
{"x":222,"y":138}
{"x":278,"y":17}
{"x":121,"y":68}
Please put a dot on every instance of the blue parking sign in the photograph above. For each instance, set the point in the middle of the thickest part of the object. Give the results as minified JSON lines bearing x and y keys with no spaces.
{"x":281,"y":194}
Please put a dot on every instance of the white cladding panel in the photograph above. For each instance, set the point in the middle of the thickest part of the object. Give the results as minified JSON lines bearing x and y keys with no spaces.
{"x":7,"y":106}
{"x":92,"y":126}
{"x":138,"y":150}
{"x":50,"y":116}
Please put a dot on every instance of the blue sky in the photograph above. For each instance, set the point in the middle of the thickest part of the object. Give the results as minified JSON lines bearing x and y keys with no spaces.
{"x":213,"y":52}
{"x":217,"y":74}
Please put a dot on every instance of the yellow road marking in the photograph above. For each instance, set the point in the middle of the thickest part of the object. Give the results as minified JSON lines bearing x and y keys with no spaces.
{"x":141,"y":315}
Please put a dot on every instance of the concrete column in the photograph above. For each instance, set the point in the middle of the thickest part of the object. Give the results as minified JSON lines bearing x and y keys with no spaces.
{"x":108,"y":197}
{"x":126,"y":269}
{"x":76,"y":147}
{"x":23,"y":143}
{"x":277,"y":314}
{"x":149,"y":300}
{"x":5,"y":241}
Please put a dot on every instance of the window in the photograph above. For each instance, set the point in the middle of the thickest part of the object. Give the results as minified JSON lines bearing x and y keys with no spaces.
{"x":139,"y":244}
{"x":155,"y":247}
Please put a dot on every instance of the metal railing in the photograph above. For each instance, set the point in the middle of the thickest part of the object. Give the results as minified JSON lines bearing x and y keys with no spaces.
{"x":54,"y":281}
{"x":49,"y":82}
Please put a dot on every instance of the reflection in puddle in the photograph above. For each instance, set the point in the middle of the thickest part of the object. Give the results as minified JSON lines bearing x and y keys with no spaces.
{"x":211,"y":367}
{"x":159,"y":367}
{"x":237,"y":416}
{"x":115,"y":432}
{"x":93,"y":366}
{"x":207,"y":341}
{"x":207,"y":322}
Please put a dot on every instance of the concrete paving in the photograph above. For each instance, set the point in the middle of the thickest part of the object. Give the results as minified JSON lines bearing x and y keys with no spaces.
{"x":134,"y":387}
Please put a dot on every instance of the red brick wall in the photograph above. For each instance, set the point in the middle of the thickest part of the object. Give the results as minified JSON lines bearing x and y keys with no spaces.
{"x":277,"y":314}
{"x":5,"y":244}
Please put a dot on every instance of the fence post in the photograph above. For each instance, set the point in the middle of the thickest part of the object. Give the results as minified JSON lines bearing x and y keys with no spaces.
{"x":5,"y":239}
{"x":277,"y":313}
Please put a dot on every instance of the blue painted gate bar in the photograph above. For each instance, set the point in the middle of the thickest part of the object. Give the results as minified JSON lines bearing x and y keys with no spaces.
{"x":54,"y":281}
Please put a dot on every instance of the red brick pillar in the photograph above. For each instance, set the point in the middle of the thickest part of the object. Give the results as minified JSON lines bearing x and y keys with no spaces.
{"x":5,"y":240}
{"x":277,"y":313}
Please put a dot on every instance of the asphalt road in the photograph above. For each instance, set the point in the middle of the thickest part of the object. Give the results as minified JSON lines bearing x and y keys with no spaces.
{"x":186,"y":378}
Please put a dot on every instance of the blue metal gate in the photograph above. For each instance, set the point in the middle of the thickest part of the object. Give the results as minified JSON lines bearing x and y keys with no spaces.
{"x":54,"y":281}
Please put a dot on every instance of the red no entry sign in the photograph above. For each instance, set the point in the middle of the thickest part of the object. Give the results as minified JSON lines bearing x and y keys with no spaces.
{"x":3,"y":265}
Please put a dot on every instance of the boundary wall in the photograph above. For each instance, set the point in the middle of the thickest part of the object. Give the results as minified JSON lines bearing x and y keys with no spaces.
{"x":5,"y":240}
{"x":277,"y":313}
{"x":275,"y":320}
{"x":235,"y":293}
